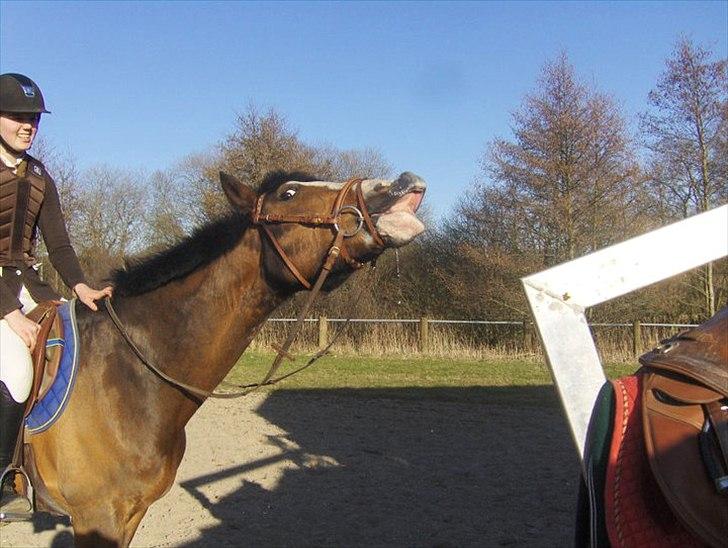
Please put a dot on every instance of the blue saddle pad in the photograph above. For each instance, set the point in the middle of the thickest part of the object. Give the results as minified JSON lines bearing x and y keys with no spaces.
{"x":51,"y":406}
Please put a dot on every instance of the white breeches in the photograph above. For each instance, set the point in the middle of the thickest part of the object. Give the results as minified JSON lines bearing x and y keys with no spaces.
{"x":16,"y":367}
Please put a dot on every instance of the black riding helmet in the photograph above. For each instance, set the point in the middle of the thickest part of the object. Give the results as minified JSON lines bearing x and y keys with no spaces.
{"x":19,"y":94}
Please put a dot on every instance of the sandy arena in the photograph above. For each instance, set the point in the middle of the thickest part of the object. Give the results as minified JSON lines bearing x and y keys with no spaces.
{"x":358,"y":468}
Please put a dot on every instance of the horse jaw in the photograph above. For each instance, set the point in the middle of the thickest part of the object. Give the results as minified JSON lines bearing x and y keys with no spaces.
{"x":393,"y":205}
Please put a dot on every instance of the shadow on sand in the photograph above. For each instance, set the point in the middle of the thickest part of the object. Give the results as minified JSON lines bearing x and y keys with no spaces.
{"x":406,"y":467}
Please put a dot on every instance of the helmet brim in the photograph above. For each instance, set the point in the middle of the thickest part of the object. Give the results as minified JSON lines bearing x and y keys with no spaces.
{"x":24,"y":111}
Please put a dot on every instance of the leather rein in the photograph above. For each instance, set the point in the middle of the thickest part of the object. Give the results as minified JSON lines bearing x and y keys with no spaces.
{"x":261,"y":221}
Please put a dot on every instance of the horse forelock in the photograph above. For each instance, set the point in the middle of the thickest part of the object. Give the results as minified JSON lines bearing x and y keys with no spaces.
{"x":207,"y":243}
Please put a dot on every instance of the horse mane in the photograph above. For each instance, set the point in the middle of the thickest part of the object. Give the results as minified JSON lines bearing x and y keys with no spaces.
{"x":207,"y":243}
{"x":204,"y":245}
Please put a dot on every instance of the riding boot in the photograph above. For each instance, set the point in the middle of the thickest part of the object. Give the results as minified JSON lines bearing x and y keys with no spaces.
{"x":11,"y":417}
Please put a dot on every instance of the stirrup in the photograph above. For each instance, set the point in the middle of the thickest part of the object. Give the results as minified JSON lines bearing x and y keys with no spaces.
{"x":21,"y":515}
{"x":9,"y":517}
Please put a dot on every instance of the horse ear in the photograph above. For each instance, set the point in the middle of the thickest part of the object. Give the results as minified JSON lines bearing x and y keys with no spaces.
{"x":238,"y":194}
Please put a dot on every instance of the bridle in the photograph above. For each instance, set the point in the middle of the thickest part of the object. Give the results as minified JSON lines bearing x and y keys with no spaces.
{"x":334,"y":220}
{"x":337,"y":249}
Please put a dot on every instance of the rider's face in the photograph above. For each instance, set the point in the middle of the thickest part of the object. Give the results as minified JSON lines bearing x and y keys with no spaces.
{"x":18,"y":129}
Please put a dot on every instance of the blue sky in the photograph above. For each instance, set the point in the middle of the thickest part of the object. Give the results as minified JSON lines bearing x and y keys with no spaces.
{"x":428,"y":84}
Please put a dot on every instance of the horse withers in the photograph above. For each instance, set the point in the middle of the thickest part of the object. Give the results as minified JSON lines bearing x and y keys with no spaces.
{"x":192,"y":310}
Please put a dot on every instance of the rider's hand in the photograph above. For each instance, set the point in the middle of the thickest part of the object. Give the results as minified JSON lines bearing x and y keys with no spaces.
{"x":88,"y":295}
{"x":25,"y":328}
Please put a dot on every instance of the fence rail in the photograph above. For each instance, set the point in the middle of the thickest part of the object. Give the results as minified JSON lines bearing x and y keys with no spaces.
{"x":525,"y":328}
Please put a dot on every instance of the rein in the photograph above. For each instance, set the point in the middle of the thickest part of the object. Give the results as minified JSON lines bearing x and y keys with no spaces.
{"x":336,"y":250}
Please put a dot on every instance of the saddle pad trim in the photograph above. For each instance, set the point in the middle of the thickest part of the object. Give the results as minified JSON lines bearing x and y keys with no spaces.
{"x":51,"y":406}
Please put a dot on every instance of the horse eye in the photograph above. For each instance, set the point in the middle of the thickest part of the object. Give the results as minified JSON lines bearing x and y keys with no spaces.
{"x":288,"y":194}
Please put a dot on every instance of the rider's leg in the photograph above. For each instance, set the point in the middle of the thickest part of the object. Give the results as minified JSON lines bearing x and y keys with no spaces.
{"x":16,"y":377}
{"x":11,"y":415}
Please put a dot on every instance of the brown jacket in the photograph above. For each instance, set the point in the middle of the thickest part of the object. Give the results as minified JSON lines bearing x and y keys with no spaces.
{"x":21,"y":196}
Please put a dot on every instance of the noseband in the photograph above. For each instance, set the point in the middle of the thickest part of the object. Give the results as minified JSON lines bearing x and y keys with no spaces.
{"x":333,"y":220}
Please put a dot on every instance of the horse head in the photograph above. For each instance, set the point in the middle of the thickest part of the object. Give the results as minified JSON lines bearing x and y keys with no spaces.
{"x":302,"y":220}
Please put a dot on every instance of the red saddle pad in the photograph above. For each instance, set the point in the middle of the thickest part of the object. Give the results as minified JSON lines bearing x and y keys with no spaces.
{"x":637,"y":514}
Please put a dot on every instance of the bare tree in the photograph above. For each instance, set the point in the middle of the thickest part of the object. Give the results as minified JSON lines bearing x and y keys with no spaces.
{"x":568,"y":175}
{"x":110,"y":218}
{"x":564,"y":185}
{"x":264,"y":142}
{"x":686,"y":132}
{"x":338,"y":165}
{"x":167,"y":217}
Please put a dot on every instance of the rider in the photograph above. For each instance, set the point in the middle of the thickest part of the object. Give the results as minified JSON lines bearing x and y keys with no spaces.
{"x":28,"y":203}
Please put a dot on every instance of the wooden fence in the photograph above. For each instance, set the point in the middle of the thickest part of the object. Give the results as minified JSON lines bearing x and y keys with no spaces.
{"x":638,"y":336}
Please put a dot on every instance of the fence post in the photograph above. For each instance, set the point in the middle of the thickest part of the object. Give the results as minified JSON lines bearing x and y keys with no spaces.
{"x":323,"y":335}
{"x":527,"y":337}
{"x":424,"y":334}
{"x":636,"y":338}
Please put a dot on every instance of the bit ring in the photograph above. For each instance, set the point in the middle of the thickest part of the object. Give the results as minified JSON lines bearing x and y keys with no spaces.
{"x":359,"y":219}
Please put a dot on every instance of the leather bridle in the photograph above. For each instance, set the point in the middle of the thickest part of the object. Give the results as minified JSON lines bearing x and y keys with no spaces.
{"x":334,"y":220}
{"x":337,"y":249}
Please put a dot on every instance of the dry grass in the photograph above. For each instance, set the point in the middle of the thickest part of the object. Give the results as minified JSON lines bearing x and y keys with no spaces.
{"x":466,"y":342}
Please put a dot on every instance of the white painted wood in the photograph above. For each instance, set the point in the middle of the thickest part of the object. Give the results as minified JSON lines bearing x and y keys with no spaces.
{"x":559,"y":296}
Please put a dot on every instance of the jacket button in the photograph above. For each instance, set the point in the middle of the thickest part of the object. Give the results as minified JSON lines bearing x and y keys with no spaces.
{"x":18,"y":272}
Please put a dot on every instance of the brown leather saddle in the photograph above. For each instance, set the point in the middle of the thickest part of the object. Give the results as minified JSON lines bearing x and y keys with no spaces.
{"x":46,"y":359}
{"x":685,"y":421}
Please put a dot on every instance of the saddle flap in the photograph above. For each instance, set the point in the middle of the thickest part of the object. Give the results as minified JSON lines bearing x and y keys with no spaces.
{"x":680,"y":389}
{"x":45,"y":364}
{"x":671,"y":433}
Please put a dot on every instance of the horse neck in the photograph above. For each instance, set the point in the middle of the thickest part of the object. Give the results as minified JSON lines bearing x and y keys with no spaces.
{"x":197,"y":328}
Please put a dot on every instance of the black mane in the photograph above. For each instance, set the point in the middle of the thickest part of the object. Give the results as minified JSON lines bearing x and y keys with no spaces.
{"x":207,"y":243}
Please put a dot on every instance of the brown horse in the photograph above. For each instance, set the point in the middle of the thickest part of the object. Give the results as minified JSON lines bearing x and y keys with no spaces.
{"x":193,"y":310}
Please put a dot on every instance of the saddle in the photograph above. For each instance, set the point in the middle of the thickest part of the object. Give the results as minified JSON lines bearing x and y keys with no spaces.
{"x":685,"y":423}
{"x":46,"y":356}
{"x":656,"y":459}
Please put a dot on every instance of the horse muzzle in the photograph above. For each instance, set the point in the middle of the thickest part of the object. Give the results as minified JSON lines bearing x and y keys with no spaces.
{"x":393,"y":207}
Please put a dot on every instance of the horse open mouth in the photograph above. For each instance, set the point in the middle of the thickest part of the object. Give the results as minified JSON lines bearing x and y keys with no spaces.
{"x":396,"y":221}
{"x":410,"y":202}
